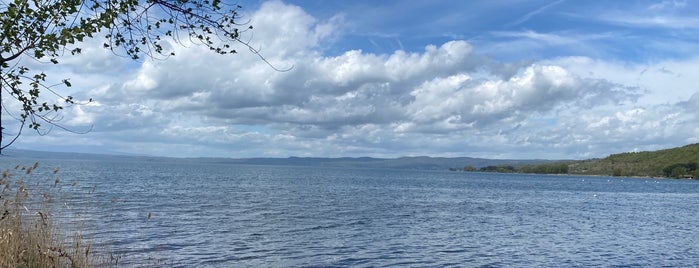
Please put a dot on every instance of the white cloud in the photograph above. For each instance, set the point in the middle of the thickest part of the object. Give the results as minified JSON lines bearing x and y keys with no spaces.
{"x":443,"y":100}
{"x":668,"y":4}
{"x":656,"y":21}
{"x":669,"y":14}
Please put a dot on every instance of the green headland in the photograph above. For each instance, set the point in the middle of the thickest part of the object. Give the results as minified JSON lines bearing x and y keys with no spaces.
{"x":680,"y":162}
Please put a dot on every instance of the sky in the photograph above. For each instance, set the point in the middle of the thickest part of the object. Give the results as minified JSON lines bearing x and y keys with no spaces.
{"x":492,"y":79}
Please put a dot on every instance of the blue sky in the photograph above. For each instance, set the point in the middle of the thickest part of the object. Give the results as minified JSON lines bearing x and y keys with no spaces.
{"x":494,"y":79}
{"x":624,"y":30}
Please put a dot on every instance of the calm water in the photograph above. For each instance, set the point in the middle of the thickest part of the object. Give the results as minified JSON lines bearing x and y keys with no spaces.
{"x":239,"y":216}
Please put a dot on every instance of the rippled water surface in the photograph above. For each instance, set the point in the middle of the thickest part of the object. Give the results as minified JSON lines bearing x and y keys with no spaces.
{"x":236,"y":216}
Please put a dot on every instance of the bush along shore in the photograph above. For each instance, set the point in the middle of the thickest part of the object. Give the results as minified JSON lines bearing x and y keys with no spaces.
{"x":30,"y":234}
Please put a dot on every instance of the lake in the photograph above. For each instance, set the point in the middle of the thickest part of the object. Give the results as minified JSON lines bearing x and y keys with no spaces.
{"x":218,"y":215}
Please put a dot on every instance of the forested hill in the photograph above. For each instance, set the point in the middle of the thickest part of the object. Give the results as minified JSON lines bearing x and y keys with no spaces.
{"x":675,"y":162}
{"x":680,"y":162}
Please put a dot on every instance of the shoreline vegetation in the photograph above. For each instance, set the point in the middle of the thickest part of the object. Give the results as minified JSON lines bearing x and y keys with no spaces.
{"x":679,"y":163}
{"x":32,"y":233}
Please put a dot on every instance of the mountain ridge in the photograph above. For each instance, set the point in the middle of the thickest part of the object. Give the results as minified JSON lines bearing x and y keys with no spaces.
{"x":404,"y":162}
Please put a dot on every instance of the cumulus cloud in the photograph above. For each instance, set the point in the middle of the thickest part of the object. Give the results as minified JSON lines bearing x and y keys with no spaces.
{"x":442,"y":100}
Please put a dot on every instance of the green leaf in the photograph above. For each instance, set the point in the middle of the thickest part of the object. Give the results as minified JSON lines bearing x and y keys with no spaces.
{"x":43,"y":29}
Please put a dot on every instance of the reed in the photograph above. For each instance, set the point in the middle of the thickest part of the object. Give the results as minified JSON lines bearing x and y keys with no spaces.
{"x":30,"y":233}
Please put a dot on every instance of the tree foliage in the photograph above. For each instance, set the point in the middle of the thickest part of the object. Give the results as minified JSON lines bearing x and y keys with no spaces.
{"x":500,"y":169}
{"x":679,"y":170}
{"x":674,"y":162}
{"x":551,"y":168}
{"x":45,"y":30}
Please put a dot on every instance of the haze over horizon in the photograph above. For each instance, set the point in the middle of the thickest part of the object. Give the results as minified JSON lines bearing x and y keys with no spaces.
{"x":488,"y":79}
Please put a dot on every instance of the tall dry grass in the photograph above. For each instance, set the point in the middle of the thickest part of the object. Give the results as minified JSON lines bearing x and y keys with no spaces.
{"x":30,"y":234}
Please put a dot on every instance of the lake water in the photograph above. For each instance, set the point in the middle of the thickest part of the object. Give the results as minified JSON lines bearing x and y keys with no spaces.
{"x":215,"y":215}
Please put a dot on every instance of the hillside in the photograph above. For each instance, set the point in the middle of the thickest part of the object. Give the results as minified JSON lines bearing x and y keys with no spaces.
{"x":675,"y":162}
{"x":680,"y":162}
{"x":419,"y":162}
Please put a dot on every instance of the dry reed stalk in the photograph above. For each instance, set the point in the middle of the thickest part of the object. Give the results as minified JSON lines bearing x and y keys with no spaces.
{"x":29,"y":235}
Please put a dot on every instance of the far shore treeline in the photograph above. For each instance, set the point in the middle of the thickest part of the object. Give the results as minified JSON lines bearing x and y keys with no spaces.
{"x":680,"y":162}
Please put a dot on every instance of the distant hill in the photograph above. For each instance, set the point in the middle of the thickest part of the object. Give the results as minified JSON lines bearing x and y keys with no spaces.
{"x":675,"y":162}
{"x":680,"y":162}
{"x":419,"y":162}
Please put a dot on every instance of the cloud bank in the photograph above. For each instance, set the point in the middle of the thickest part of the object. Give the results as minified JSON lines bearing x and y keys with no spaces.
{"x":443,"y":100}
